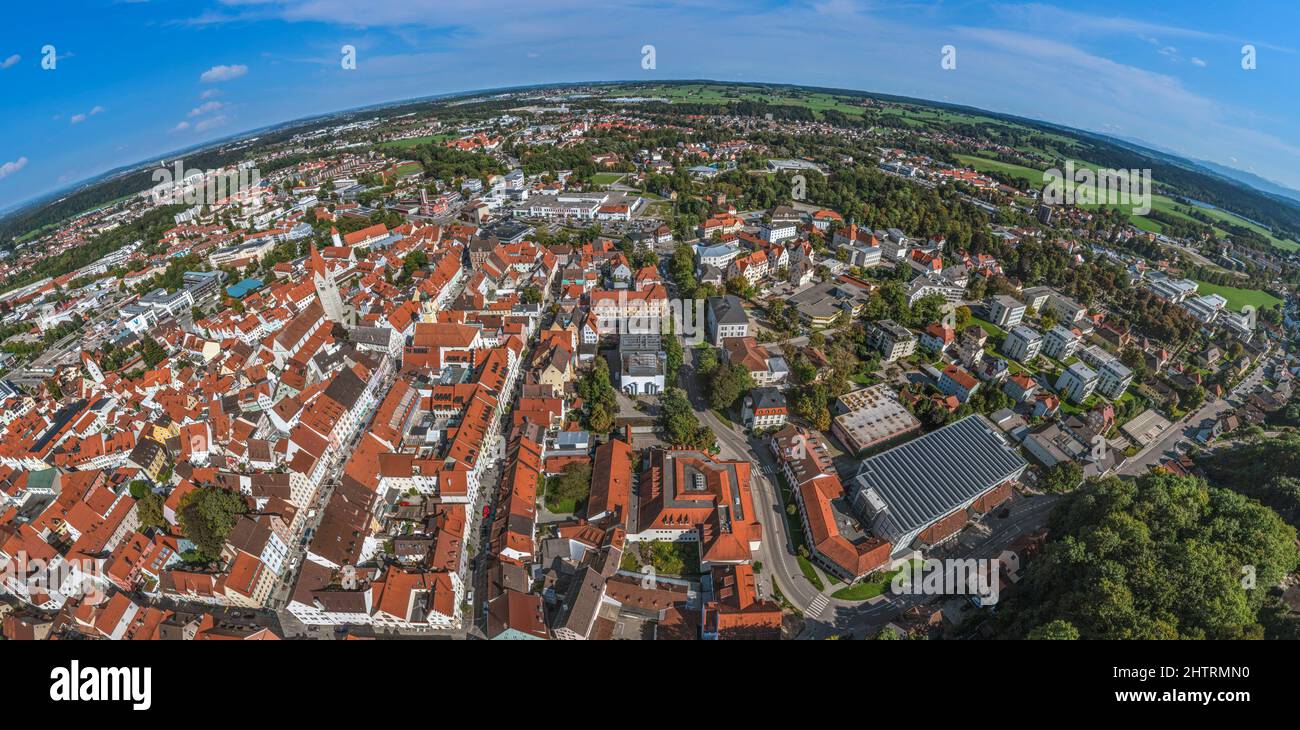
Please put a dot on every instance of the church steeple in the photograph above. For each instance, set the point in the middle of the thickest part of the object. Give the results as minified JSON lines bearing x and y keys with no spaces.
{"x":327,"y":289}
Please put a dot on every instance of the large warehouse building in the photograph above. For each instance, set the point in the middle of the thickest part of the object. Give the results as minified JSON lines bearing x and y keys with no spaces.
{"x":922,"y":493}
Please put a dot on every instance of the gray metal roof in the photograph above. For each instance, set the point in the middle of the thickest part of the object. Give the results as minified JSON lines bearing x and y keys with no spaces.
{"x":928,"y":477}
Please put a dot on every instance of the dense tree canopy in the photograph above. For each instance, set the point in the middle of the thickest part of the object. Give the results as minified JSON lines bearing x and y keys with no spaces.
{"x":1162,"y":557}
{"x":207,"y":516}
{"x":1267,"y":470}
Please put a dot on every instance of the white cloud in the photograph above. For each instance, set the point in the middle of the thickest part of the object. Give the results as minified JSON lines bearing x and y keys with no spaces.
{"x":222,"y":73}
{"x":1198,"y":62}
{"x":11,"y":61}
{"x":209,"y":123}
{"x":83,"y":116}
{"x":181,"y":127}
{"x":209,"y":93}
{"x":204,"y":108}
{"x":10,"y":168}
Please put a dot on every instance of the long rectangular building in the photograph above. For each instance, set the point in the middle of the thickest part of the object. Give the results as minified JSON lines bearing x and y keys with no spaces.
{"x":920,"y":493}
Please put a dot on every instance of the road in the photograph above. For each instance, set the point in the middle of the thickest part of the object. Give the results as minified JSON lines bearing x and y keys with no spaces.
{"x":1186,"y":427}
{"x":775,"y":552}
{"x":823,"y":615}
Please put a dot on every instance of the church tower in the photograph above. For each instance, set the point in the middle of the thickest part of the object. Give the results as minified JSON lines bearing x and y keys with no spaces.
{"x":327,"y":290}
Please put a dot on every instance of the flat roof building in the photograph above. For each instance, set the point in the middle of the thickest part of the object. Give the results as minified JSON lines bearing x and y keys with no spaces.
{"x":871,"y":417}
{"x":919,"y":494}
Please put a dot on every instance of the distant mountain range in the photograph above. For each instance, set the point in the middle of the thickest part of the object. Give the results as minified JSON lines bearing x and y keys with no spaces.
{"x":1262,"y":184}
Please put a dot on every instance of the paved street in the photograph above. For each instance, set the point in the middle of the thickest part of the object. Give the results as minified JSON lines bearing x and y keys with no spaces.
{"x":824,"y":615}
{"x":1186,"y":427}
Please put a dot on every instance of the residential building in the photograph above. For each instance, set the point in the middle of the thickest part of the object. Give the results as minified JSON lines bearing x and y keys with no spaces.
{"x":1022,"y":343}
{"x":1005,"y":311}
{"x":1060,"y":342}
{"x":724,"y":317}
{"x":1077,"y":382}
{"x":764,"y":408}
{"x":892,"y":339}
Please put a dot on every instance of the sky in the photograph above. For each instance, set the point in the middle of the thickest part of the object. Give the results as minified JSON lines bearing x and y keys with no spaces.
{"x":89,"y":85}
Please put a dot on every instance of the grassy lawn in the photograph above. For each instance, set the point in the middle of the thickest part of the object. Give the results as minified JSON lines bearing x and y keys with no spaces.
{"x":870,"y":588}
{"x":1161,"y":203}
{"x":559,"y":503}
{"x":1013,"y":367}
{"x":984,"y":164}
{"x":606,"y":178}
{"x":791,"y":520}
{"x":993,"y":331}
{"x":667,"y":558}
{"x":1238,"y":298}
{"x":809,"y":572}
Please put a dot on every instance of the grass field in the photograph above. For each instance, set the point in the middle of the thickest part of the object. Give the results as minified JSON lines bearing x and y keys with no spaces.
{"x":871,"y":587}
{"x":409,"y":168}
{"x":1161,"y":203}
{"x":606,"y":178}
{"x":1238,"y":298}
{"x":809,"y":572}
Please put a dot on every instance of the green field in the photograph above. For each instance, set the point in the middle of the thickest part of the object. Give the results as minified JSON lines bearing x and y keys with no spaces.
{"x":871,"y":586}
{"x":407,"y":169}
{"x":1238,"y":298}
{"x":1161,"y":203}
{"x":911,"y":114}
{"x":606,"y":178}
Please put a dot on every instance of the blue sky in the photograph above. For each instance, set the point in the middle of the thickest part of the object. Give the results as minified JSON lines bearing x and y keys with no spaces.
{"x":137,"y":78}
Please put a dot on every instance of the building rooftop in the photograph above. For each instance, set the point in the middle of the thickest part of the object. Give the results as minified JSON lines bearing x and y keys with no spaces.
{"x":928,"y":477}
{"x":873,"y":415}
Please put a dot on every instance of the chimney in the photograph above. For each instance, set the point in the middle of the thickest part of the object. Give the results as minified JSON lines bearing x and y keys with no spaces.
{"x":627,"y":433}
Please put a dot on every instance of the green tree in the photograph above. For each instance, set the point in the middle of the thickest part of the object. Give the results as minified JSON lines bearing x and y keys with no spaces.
{"x":727,"y":383}
{"x":1063,"y":476}
{"x":706,"y":361}
{"x":207,"y":516}
{"x":570,"y":490}
{"x":151,"y":351}
{"x":1159,"y":557}
{"x":599,"y":419}
{"x":149,"y":508}
{"x":674,"y":356}
{"x":1055,"y":630}
{"x":680,"y":424}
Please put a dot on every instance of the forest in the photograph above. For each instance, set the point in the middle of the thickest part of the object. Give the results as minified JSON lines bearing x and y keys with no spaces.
{"x":1159,"y":557}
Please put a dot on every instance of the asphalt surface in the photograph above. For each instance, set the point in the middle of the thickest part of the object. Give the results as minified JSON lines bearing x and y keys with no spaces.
{"x":1187,"y":426}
